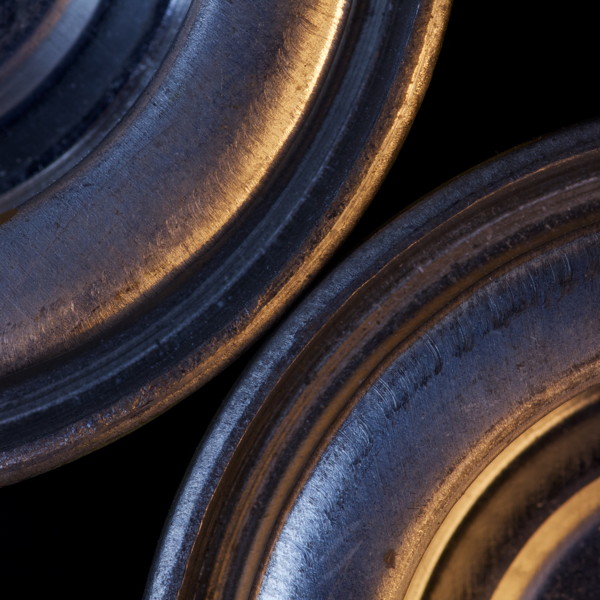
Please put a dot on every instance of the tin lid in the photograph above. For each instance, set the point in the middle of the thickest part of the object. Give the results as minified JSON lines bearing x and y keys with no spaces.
{"x":199,"y":216}
{"x":423,"y":414}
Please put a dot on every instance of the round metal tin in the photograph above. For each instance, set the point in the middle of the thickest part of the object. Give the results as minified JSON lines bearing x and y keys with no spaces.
{"x":413,"y":428}
{"x":156,"y":259}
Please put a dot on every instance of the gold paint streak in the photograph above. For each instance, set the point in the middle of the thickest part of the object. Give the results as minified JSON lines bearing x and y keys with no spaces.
{"x":536,"y":557}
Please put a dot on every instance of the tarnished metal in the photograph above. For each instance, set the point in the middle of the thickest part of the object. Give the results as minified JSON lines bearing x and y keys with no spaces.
{"x":152,"y":262}
{"x":413,"y":427}
{"x":29,"y":62}
{"x":69,"y":71}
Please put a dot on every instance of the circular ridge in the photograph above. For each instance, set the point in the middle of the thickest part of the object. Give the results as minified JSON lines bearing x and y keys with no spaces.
{"x":266,"y":509}
{"x":151,"y":284}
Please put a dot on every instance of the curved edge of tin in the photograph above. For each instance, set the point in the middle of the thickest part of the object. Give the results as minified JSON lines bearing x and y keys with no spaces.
{"x":170,"y":386}
{"x":221,"y":440}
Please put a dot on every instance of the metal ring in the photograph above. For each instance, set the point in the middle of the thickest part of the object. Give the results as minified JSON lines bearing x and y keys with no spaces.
{"x":156,"y":259}
{"x":69,"y":72}
{"x":458,"y":333}
{"x":54,"y":36}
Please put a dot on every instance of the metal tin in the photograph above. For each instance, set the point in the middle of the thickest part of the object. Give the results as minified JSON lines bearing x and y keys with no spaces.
{"x":418,"y":426}
{"x":191,"y":224}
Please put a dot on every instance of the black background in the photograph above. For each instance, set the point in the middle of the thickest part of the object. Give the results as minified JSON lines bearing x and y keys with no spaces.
{"x":508,"y":72}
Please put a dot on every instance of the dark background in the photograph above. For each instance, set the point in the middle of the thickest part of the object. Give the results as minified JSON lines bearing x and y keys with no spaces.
{"x":508,"y":72}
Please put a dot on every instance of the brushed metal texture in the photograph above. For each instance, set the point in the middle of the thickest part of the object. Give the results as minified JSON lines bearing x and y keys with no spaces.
{"x":161,"y":255}
{"x":376,"y":405}
{"x":52,"y":39}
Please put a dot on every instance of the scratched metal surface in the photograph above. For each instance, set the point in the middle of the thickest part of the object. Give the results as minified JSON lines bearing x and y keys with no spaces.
{"x":156,"y":260}
{"x":90,"y":527}
{"x":381,"y":398}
